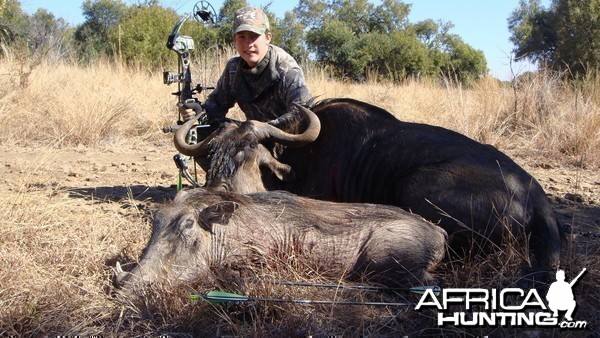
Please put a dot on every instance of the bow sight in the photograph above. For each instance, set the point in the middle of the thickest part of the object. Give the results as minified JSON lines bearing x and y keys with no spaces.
{"x":182,"y":45}
{"x":205,"y":13}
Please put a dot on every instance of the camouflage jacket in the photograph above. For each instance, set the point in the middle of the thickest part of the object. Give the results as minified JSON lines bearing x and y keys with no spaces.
{"x":264,"y":93}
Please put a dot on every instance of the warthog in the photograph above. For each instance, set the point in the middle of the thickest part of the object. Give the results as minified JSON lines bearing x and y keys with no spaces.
{"x":203,"y":229}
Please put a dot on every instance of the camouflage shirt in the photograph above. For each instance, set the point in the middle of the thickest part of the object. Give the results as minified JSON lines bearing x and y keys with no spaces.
{"x":264,"y":93}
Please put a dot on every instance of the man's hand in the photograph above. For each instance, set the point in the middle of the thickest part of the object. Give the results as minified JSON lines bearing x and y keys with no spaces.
{"x":189,"y":109}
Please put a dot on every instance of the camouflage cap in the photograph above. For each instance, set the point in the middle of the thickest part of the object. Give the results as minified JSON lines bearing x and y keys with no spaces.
{"x":251,"y":19}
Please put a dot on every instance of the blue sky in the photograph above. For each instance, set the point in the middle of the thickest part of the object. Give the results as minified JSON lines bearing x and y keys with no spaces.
{"x":481,"y":24}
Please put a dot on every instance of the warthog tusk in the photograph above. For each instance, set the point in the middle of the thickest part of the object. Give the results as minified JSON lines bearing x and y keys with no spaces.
{"x":119,"y":268}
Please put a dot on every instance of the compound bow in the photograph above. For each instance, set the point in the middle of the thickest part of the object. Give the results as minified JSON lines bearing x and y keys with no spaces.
{"x":205,"y":13}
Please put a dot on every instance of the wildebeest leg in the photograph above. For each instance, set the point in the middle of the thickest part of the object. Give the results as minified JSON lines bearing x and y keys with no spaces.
{"x":546,"y":240}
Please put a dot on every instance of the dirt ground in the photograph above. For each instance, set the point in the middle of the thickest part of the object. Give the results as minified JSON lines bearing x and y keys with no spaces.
{"x":148,"y":175}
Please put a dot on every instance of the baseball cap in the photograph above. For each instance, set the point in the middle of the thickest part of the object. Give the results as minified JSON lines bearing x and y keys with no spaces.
{"x":251,"y":19}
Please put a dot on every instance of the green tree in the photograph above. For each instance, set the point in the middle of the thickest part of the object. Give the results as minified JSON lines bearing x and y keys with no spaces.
{"x":355,"y":37}
{"x":226,"y":16}
{"x":335,"y":45}
{"x":13,"y":24}
{"x":141,"y":37}
{"x":92,"y":37}
{"x":460,"y":61}
{"x":313,"y":13}
{"x":533,"y":32}
{"x":389,"y":16}
{"x":578,"y":35}
{"x":564,"y":37}
{"x":289,"y":35}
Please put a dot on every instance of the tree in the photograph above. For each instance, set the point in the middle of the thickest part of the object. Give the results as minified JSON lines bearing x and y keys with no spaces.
{"x":389,"y":16}
{"x":335,"y":45}
{"x":356,"y":37}
{"x":143,"y":35}
{"x":47,"y":35}
{"x":564,"y":37}
{"x":578,"y":35}
{"x":91,"y":37}
{"x":461,"y":62}
{"x":289,"y":35}
{"x":13,"y":24}
{"x":226,"y":16}
{"x":361,"y":16}
{"x":532,"y":32}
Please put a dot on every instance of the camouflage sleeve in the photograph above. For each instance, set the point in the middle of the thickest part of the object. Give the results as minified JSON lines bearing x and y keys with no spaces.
{"x":293,"y":89}
{"x":220,"y":100}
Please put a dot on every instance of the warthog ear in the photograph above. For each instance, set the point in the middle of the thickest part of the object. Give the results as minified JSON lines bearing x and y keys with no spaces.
{"x":217,"y":213}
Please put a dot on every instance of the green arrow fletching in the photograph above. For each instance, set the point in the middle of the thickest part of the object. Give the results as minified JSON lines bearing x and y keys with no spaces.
{"x":222,"y":297}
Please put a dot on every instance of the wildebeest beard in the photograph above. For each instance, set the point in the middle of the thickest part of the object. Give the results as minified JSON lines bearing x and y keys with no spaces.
{"x":221,"y":162}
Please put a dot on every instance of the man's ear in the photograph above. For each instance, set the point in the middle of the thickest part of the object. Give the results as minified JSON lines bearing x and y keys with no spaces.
{"x":217,"y":213}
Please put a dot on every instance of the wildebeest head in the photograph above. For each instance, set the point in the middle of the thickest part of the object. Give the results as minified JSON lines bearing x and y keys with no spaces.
{"x":239,"y":158}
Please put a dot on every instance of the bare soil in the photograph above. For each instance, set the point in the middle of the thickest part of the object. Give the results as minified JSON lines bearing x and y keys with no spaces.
{"x":148,"y":175}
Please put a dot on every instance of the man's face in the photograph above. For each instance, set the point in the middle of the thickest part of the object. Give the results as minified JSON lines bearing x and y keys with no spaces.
{"x":252,"y":47}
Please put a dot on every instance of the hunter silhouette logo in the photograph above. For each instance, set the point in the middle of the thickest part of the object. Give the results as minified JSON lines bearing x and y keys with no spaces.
{"x":560,"y":295}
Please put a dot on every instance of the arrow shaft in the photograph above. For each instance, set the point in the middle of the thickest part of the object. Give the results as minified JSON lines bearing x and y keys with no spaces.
{"x":217,"y":296}
{"x":358,"y":287}
{"x":310,"y":301}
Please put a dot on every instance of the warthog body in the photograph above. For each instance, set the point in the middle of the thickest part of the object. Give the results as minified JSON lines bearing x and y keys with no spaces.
{"x":203,"y":229}
{"x":357,"y":152}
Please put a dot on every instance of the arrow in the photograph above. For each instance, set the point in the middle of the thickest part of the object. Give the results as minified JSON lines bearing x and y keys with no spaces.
{"x":418,"y":289}
{"x":224,"y":297}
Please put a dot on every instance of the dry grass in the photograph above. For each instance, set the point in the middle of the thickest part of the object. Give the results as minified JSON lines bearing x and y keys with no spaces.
{"x":56,"y":247}
{"x":544,"y":115}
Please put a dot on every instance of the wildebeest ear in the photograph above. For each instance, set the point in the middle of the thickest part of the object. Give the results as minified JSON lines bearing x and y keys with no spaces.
{"x":281,"y":170}
{"x":217,"y":213}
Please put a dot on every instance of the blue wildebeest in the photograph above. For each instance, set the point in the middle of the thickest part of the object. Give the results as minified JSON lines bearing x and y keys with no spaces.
{"x":204,"y":229}
{"x":350,"y":151}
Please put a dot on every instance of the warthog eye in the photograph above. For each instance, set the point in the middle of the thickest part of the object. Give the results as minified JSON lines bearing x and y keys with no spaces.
{"x":187,"y":224}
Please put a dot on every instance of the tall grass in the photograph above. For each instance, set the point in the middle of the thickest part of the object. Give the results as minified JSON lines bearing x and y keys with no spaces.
{"x":543,"y":115}
{"x":56,"y":249}
{"x":105,"y":103}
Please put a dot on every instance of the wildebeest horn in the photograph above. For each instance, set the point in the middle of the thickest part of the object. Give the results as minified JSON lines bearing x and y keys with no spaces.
{"x":197,"y":150}
{"x":295,"y":140}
